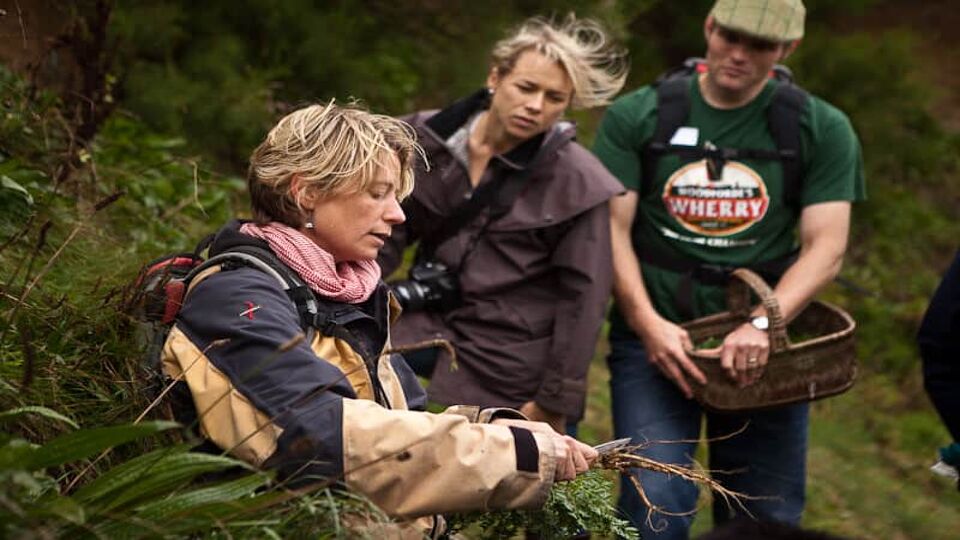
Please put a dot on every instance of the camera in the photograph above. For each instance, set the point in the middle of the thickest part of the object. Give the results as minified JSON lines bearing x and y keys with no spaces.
{"x":431,"y":287}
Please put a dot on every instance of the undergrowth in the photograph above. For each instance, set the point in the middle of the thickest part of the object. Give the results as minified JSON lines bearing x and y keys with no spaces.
{"x":583,"y":504}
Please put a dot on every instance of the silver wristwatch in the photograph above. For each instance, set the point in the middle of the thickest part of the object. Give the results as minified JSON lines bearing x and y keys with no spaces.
{"x":760,"y":322}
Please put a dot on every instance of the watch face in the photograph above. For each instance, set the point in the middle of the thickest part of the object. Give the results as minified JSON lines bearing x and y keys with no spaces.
{"x":760,"y":323}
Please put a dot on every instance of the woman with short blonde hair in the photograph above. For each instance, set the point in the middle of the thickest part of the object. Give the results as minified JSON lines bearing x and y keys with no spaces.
{"x":329,"y":149}
{"x":283,"y":346}
{"x":597,"y":68}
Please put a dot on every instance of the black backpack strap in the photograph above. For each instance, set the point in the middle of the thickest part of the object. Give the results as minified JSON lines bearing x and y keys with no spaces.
{"x":264,"y":260}
{"x":332,"y":316}
{"x":673,"y":108}
{"x":783,"y":116}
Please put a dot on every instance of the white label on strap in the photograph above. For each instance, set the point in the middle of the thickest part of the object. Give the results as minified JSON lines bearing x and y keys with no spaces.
{"x":685,"y":136}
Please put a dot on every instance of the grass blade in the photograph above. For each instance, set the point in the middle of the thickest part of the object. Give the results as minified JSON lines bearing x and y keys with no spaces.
{"x":42,"y":411}
{"x":87,"y":442}
{"x":183,"y":503}
{"x":152,"y":478}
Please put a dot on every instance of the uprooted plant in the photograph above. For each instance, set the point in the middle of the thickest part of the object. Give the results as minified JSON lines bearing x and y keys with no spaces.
{"x":627,"y":458}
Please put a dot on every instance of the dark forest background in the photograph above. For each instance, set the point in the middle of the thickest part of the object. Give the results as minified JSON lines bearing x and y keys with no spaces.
{"x":124,"y":133}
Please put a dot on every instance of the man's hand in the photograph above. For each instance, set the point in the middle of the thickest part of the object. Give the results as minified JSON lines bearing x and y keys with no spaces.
{"x":572,"y":456}
{"x":744,"y":353}
{"x":537,"y":413}
{"x":666,"y":343}
{"x":663,"y":340}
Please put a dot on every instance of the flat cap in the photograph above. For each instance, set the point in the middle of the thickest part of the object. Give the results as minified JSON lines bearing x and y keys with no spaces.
{"x":774,"y":20}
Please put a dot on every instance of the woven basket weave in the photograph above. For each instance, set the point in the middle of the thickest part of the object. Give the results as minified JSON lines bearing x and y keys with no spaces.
{"x":822,"y":365}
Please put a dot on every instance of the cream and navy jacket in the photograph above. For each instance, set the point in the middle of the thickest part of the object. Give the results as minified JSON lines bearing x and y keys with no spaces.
{"x":330,"y":403}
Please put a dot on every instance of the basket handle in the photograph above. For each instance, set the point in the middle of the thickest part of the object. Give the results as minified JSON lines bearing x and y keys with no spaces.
{"x":738,"y":302}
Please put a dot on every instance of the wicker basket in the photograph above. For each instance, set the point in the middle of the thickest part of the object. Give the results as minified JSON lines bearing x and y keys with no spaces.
{"x":822,"y":365}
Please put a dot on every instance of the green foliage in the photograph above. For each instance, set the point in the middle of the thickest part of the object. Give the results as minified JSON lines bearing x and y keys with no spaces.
{"x":912,"y":184}
{"x":42,"y":411}
{"x":175,"y":198}
{"x":219,"y":72}
{"x":161,"y":493}
{"x":157,"y":486}
{"x":583,"y":504}
{"x":87,"y":442}
{"x":29,"y":134}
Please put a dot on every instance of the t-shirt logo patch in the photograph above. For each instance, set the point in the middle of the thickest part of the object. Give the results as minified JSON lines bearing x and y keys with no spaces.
{"x":720,"y":208}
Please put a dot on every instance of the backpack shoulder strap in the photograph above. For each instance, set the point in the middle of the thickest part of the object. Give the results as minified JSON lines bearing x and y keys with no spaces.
{"x":265,"y":261}
{"x":673,"y":108}
{"x":783,"y":118}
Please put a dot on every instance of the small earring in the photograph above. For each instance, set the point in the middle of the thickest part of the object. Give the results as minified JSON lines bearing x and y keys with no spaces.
{"x":308,"y":224}
{"x":490,"y":91}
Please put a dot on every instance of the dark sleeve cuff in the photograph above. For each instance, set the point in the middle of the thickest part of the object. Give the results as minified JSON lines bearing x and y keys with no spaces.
{"x":528,"y":455}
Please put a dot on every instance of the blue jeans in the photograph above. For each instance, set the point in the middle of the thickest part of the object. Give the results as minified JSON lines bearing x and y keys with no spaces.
{"x":768,"y":459}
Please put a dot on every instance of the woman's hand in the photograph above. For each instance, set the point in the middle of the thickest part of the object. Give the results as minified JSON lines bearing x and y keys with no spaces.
{"x":666,"y":345}
{"x":572,"y":456}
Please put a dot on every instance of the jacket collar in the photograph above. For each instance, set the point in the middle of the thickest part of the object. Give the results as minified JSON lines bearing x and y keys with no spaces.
{"x":229,"y":236}
{"x":443,"y":124}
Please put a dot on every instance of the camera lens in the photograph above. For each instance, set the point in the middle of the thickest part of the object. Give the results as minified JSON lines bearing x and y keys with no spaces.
{"x":412,"y":295}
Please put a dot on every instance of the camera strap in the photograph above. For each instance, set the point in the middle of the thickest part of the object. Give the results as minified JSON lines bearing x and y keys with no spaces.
{"x":498,"y":194}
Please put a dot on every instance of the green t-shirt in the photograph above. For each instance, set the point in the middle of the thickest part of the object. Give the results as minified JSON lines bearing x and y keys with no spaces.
{"x":740,"y":220}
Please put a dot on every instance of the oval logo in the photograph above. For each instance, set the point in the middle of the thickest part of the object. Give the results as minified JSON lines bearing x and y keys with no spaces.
{"x":720,"y":208}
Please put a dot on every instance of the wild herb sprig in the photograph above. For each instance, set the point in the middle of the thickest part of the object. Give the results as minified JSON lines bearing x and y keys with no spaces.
{"x":583,"y":504}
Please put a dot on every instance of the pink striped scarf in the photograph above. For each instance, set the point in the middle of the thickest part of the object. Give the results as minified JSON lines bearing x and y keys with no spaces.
{"x":348,"y":281}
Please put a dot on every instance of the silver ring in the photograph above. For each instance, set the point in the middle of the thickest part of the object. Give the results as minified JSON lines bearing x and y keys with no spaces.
{"x":752,"y":360}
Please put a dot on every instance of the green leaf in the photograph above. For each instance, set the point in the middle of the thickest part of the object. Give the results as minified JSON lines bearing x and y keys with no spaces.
{"x":9,"y":183}
{"x":42,"y":411}
{"x":27,"y":481}
{"x":124,"y":474}
{"x":224,"y":492}
{"x":229,"y":511}
{"x":167,"y":143}
{"x":88,"y":442}
{"x":64,"y":508}
{"x":201,"y":518}
{"x":153,"y":475}
{"x":15,"y":453}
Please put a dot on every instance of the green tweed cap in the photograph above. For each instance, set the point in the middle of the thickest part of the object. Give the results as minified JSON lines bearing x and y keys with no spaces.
{"x":775,"y":20}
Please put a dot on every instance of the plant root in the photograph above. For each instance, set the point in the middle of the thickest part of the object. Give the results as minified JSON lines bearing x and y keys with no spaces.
{"x":626,"y":459}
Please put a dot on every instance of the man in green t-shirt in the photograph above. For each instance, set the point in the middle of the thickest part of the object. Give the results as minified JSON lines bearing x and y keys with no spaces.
{"x":685,"y":221}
